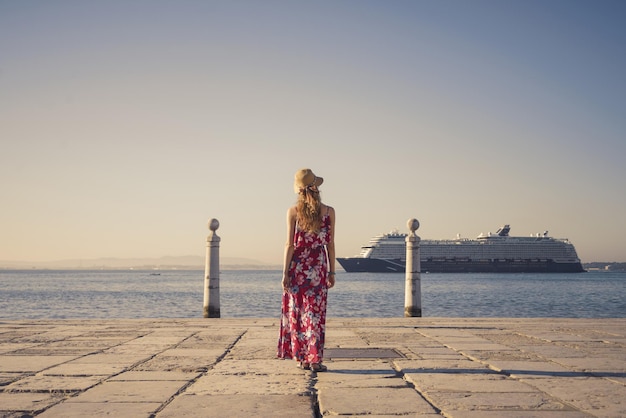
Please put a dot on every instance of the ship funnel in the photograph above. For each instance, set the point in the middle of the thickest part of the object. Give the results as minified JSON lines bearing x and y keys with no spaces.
{"x":504,"y":231}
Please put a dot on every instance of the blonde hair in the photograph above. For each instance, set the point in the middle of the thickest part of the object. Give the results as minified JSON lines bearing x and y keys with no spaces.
{"x":309,"y":210}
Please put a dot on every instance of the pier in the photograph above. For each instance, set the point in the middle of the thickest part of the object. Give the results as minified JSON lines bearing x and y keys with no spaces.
{"x":451,"y":367}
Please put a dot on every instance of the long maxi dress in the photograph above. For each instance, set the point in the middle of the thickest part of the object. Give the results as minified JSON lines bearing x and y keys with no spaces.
{"x":303,"y":316}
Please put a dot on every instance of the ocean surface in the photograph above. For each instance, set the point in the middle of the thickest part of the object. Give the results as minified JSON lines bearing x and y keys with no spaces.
{"x":56,"y":294}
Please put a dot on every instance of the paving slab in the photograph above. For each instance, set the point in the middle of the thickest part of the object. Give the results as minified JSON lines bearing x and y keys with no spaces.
{"x":467,"y":383}
{"x":155,"y":376}
{"x":190,"y":362}
{"x":81,"y":369}
{"x":219,"y":406}
{"x":372,"y":401}
{"x":498,"y":401}
{"x":20,"y":404}
{"x":8,"y":347}
{"x":360,"y":374}
{"x":251,"y":384}
{"x":55,"y":384}
{"x":517,"y":414}
{"x":457,"y":365}
{"x":108,"y":358}
{"x":27,"y":363}
{"x":520,"y":368}
{"x":129,"y":391}
{"x":102,"y":409}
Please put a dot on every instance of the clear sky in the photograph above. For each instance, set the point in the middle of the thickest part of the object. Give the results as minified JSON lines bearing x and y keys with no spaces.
{"x":126,"y":125}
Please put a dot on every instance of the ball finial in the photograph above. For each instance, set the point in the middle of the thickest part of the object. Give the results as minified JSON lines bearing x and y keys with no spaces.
{"x":214,"y":224}
{"x":413,"y":224}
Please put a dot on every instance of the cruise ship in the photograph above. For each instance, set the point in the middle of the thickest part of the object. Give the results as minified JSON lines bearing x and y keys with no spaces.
{"x":497,"y":253}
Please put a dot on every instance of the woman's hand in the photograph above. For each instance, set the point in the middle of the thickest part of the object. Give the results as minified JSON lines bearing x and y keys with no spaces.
{"x":331,"y":280}
{"x":286,"y":282}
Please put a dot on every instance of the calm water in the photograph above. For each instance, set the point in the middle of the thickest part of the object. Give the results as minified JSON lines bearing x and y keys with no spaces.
{"x":179,"y":294}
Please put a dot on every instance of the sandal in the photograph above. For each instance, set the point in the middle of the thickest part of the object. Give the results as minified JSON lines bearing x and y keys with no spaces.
{"x":318,"y":367}
{"x":304,"y":366}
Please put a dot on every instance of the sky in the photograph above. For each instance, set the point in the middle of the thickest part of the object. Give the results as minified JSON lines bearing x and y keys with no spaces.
{"x":126,"y":125}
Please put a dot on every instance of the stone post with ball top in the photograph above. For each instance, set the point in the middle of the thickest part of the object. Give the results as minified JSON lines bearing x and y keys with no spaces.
{"x":212,"y":273}
{"x":413,"y":292}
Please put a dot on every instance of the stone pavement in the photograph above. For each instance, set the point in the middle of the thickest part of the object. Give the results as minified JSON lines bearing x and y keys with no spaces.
{"x":451,"y":367}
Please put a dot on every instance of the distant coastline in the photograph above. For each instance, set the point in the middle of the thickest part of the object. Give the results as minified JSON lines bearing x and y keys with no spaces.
{"x":159,"y":263}
{"x":194,"y":263}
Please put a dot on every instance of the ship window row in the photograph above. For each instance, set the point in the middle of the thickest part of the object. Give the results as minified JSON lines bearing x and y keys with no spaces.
{"x":500,"y":252}
{"x":553,"y":249}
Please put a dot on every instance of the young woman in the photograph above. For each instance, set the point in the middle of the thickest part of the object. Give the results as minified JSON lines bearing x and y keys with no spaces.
{"x":308,"y":273}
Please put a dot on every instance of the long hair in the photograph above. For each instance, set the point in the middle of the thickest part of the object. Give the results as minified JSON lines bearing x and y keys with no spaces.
{"x":309,"y":210}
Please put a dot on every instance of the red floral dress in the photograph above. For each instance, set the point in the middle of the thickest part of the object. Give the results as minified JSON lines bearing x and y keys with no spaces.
{"x":303,"y":319}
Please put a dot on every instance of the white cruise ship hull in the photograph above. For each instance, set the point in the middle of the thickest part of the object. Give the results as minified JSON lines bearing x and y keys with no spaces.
{"x":374,"y":265}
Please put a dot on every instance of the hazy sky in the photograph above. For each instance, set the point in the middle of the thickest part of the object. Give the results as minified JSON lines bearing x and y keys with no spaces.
{"x":126,"y":125}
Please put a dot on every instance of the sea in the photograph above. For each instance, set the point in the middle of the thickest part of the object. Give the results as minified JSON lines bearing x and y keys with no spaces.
{"x":80,"y":294}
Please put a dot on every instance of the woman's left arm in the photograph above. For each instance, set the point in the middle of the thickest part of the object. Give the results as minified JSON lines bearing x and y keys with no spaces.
{"x":331,"y":248}
{"x":289,"y":247}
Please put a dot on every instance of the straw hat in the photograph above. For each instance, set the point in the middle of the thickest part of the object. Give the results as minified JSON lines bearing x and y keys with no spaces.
{"x":305,"y":178}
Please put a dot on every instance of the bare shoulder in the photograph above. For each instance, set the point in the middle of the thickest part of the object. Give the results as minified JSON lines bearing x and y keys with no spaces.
{"x":330,"y":211}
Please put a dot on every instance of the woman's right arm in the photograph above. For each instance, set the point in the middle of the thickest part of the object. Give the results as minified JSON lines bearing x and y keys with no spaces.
{"x":330,"y":248}
{"x":291,"y":230}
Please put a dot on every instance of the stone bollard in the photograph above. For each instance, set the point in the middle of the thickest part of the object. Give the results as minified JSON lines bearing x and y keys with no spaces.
{"x":413,"y":291}
{"x":212,"y":273}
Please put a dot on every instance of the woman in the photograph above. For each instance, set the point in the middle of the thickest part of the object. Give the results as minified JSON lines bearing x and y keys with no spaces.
{"x":308,"y":273}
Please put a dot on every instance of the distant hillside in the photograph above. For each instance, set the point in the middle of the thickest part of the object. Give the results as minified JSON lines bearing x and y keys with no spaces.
{"x":608,"y":266}
{"x":162,"y":263}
